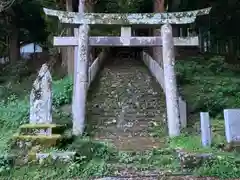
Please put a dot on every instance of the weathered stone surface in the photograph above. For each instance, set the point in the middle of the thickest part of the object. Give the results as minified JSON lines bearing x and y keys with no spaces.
{"x":52,"y":157}
{"x":80,"y":86}
{"x":41,"y":98}
{"x":205,"y":129}
{"x":125,"y":41}
{"x":95,"y":66}
{"x":32,"y":140}
{"x":33,"y":129}
{"x":173,"y":115}
{"x":183,"y":112}
{"x":232,"y":125}
{"x":154,"y":68}
{"x":127,"y":19}
{"x":157,"y":71}
{"x":192,"y":160}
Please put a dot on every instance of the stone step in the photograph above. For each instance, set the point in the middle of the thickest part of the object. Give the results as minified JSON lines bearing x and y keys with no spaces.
{"x":28,"y":141}
{"x":52,"y":157}
{"x":110,"y":120}
{"x":135,"y":115}
{"x":140,"y":112}
{"x":35,"y":129}
{"x":126,"y":84}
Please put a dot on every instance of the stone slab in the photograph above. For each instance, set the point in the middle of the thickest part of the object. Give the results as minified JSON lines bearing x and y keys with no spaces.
{"x":183,"y":112}
{"x":60,"y":156}
{"x":232,"y":125}
{"x":205,"y":129}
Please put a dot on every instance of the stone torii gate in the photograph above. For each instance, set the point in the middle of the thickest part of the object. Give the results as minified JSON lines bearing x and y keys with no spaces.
{"x":82,"y":21}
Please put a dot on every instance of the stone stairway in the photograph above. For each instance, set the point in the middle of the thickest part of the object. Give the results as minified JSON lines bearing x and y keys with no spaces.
{"x":123,"y":103}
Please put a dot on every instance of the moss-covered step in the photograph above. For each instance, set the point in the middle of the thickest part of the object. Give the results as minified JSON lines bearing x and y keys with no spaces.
{"x":51,"y":157}
{"x":35,"y":129}
{"x":28,"y":141}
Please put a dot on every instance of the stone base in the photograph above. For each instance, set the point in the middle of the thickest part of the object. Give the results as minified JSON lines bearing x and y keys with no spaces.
{"x":36,"y":129}
{"x":29,"y":141}
{"x":45,"y":135}
{"x":191,"y":160}
{"x":51,"y":157}
{"x":35,"y":138}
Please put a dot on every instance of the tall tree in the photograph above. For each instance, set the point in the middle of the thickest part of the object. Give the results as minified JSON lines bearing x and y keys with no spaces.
{"x":159,"y":6}
{"x":18,"y":22}
{"x":6,"y":4}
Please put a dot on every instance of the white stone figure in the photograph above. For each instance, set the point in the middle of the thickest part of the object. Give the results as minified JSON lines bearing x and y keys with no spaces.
{"x":41,"y":98}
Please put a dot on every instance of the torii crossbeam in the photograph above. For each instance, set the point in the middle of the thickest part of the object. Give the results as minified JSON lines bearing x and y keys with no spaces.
{"x":126,"y":18}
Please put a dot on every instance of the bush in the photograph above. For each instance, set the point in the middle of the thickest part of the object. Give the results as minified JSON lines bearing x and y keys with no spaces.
{"x":15,"y":72}
{"x":222,"y":167}
{"x":14,"y":112}
{"x":209,"y":85}
{"x":62,"y":91}
{"x":92,"y":158}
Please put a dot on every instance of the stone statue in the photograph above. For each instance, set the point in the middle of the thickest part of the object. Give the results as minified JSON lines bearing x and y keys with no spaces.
{"x":41,"y":98}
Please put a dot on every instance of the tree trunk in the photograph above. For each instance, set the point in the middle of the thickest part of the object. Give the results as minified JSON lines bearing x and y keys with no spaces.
{"x":90,"y":8}
{"x":67,"y":52}
{"x":70,"y":50}
{"x":157,"y":51}
{"x":175,"y":7}
{"x":14,"y":46}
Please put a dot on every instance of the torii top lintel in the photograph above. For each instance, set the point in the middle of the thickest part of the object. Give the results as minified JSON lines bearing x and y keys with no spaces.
{"x":127,"y":19}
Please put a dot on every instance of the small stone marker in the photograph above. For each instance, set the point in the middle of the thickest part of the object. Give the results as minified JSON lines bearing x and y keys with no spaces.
{"x":232,"y":125}
{"x":205,"y":129}
{"x":183,"y":112}
{"x":41,"y":98}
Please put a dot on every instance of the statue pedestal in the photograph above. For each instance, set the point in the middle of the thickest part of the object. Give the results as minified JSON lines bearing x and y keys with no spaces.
{"x":33,"y":139}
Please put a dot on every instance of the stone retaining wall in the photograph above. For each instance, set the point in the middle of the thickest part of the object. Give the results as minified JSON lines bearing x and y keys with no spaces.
{"x":157,"y":71}
{"x":96,"y":65}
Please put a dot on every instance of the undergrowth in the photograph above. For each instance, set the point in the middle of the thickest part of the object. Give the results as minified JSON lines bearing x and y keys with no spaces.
{"x":209,"y":85}
{"x":14,"y":110}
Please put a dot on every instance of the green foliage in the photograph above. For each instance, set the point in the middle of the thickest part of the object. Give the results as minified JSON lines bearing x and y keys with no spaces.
{"x":209,"y":84}
{"x":186,"y":142}
{"x":223,"y":167}
{"x":92,"y":158}
{"x":163,"y":158}
{"x":91,"y":149}
{"x":6,"y":163}
{"x":14,"y":72}
{"x":62,"y":91}
{"x":13,"y":112}
{"x":222,"y":164}
{"x":122,"y":6}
